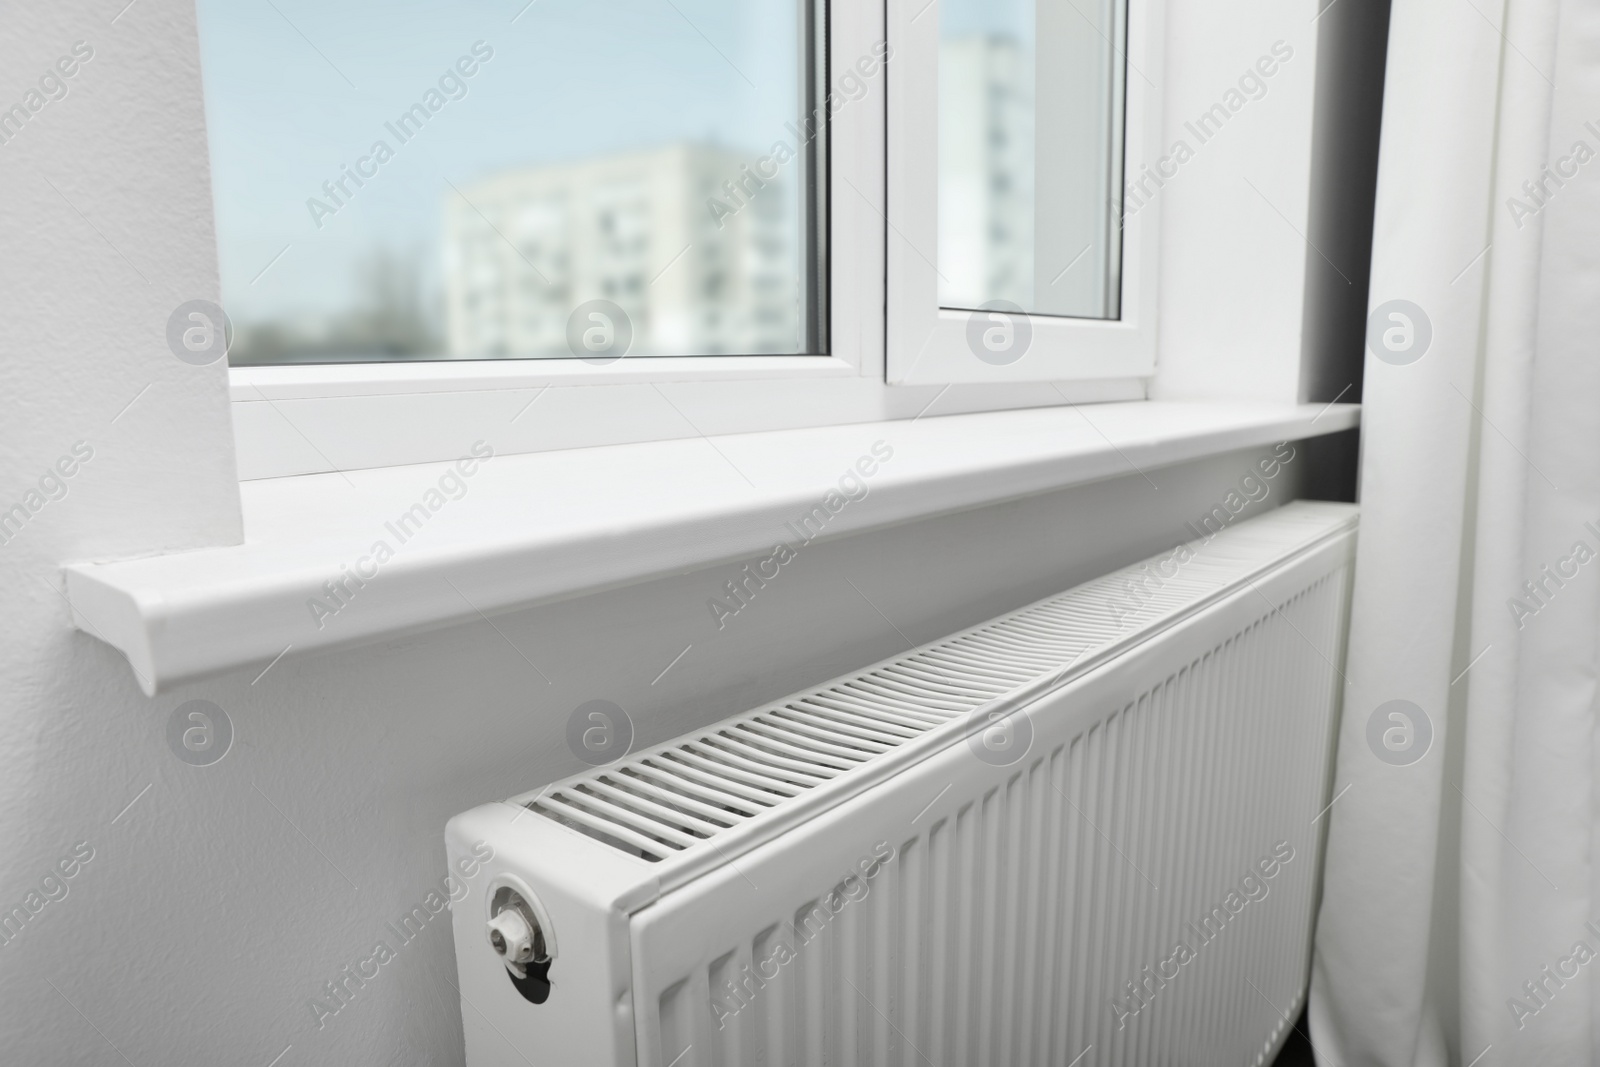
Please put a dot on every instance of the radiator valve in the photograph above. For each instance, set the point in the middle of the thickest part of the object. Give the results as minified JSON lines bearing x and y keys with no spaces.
{"x":515,"y":933}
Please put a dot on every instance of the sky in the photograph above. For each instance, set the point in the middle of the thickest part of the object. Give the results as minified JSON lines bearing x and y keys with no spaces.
{"x":958,"y":18}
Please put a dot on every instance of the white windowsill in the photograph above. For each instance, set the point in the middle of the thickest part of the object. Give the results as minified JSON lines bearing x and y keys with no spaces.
{"x":544,"y":526}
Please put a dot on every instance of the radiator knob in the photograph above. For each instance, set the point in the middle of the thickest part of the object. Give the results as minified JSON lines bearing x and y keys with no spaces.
{"x":512,"y":936}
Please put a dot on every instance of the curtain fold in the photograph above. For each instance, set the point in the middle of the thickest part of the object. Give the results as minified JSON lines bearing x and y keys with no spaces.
{"x":1459,"y":916}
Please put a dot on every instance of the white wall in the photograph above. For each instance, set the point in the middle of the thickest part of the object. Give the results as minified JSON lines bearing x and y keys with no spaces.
{"x":1235,"y":216}
{"x":220,"y":902}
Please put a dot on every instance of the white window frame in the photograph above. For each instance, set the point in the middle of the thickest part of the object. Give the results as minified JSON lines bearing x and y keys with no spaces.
{"x":299,"y":419}
{"x":928,"y":343}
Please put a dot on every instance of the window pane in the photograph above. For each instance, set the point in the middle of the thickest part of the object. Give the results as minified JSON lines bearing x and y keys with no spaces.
{"x":464,"y":179}
{"x":1030,"y":154}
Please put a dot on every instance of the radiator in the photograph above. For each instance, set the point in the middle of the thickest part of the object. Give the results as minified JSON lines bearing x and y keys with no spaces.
{"x":1085,"y":832}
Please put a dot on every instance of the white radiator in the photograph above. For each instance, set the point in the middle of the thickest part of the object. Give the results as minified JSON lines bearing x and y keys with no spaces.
{"x":1086,"y":832}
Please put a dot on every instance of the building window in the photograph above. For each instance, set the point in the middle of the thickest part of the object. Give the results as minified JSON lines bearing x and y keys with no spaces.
{"x":1012,"y":123}
{"x":465,"y":181}
{"x":1031,"y":155}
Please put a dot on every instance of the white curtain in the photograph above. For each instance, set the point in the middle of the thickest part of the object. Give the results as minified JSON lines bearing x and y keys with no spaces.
{"x":1461,"y":866}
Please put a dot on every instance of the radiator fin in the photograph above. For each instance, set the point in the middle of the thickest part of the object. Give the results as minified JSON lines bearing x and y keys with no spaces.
{"x":746,"y":766}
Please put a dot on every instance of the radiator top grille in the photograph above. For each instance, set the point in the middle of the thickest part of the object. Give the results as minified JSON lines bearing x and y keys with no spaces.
{"x":663,"y":802}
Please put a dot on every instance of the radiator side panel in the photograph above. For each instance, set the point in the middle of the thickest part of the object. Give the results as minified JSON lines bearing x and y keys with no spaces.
{"x":585,"y":894}
{"x":1137,"y":889}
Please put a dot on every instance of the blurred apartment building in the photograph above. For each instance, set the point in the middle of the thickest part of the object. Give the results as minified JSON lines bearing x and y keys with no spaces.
{"x":524,"y":247}
{"x":986,"y":171}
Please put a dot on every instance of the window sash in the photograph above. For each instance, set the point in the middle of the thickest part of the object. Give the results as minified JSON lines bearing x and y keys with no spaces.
{"x":930,"y":344}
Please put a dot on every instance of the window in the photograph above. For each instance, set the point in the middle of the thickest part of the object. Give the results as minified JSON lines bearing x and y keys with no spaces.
{"x":464,"y":181}
{"x":781,"y":212}
{"x":1030,"y":155}
{"x":1010,"y":257}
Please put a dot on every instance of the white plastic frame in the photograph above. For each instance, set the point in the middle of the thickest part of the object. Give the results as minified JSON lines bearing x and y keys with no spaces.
{"x":927,"y":343}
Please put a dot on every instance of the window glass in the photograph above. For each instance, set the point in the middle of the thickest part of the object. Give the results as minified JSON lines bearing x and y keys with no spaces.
{"x":1030,"y":154}
{"x":466,"y":179}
